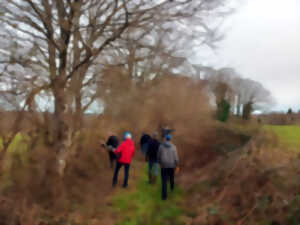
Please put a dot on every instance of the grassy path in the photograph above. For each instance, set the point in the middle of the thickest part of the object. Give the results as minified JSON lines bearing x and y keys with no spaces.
{"x":141,"y":204}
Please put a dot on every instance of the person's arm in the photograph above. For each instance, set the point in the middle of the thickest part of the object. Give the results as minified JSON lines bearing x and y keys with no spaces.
{"x":119,"y":149}
{"x":142,"y":140}
{"x":106,"y":145}
{"x":108,"y":142}
{"x":159,"y":155}
{"x":176,"y":156}
{"x":110,"y":148}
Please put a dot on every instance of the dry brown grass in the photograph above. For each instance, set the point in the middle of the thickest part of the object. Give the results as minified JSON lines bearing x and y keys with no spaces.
{"x":251,"y":185}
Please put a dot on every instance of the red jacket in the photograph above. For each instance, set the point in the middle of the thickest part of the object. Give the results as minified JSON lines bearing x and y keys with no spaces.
{"x":126,"y":149}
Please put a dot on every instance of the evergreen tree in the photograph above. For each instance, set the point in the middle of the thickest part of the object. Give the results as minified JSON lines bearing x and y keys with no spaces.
{"x":290,"y":111}
{"x":223,"y":110}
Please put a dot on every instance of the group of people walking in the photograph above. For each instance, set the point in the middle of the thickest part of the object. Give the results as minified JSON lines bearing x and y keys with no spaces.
{"x":158,"y":153}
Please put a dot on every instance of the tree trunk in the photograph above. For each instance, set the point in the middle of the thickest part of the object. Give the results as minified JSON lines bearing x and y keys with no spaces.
{"x":61,"y":129}
{"x":238,"y":105}
{"x":78,"y":112}
{"x":247,"y":110}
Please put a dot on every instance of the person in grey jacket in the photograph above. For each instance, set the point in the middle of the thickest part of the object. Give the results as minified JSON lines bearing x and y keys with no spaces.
{"x":168,"y":159}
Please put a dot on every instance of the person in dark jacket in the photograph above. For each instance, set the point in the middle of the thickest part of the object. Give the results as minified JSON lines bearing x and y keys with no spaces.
{"x":168,"y":159}
{"x":126,"y":152}
{"x":111,"y":144}
{"x":152,"y":158}
{"x":144,"y":142}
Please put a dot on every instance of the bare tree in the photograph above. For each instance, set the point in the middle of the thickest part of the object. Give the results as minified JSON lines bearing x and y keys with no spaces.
{"x":55,"y":46}
{"x":219,"y":83}
{"x":226,"y":83}
{"x":255,"y":94}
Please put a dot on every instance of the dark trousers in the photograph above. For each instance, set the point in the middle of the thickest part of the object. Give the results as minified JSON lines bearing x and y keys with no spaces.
{"x":167,"y":174}
{"x":126,"y":175}
{"x":112,"y":159}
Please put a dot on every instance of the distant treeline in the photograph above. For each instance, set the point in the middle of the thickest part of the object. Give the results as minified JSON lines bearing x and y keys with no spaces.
{"x":279,"y":118}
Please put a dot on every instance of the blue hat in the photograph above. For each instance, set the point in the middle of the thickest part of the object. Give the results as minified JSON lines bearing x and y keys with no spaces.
{"x":168,"y":137}
{"x":127,"y":135}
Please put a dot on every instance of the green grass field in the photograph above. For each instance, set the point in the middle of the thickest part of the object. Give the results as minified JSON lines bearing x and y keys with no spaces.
{"x":288,"y":135}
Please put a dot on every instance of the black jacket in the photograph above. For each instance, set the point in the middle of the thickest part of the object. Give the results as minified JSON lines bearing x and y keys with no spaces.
{"x":113,"y":141}
{"x":153,"y":150}
{"x":146,"y":138}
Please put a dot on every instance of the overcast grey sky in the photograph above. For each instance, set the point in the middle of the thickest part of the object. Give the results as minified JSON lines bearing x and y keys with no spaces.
{"x":263,"y":43}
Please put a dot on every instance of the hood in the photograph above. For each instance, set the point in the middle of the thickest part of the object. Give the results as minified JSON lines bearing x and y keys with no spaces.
{"x":129,"y":141}
{"x":167,"y":144}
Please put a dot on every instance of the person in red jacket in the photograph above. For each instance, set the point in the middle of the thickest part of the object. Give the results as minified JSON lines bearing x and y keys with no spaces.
{"x":125,"y":153}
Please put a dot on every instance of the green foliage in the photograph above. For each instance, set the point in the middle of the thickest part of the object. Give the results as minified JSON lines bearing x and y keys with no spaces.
{"x":144,"y":205}
{"x":16,"y":160}
{"x":290,"y":111}
{"x":213,"y":211}
{"x":223,"y":110}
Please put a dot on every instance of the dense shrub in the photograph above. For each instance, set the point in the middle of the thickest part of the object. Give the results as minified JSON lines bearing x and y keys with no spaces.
{"x":223,"y":110}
